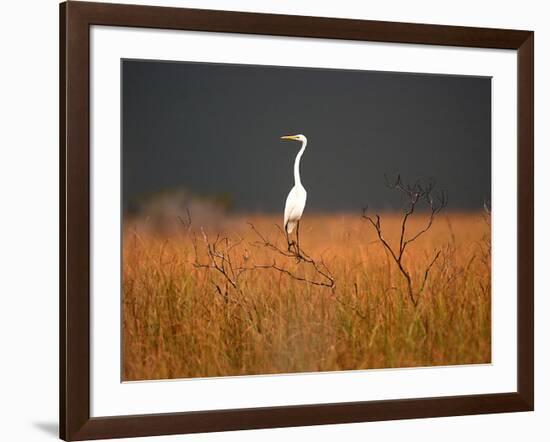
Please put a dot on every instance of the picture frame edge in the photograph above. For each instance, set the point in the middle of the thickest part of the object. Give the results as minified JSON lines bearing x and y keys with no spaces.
{"x":74,"y":245}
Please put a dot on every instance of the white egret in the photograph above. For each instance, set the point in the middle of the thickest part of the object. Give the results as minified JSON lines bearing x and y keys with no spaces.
{"x":296,"y":199}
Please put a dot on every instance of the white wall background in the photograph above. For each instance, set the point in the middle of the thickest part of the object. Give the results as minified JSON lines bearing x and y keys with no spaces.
{"x":29,"y":217}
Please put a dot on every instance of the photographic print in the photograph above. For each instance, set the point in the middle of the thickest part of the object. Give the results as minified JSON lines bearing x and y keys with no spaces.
{"x":283,"y":220}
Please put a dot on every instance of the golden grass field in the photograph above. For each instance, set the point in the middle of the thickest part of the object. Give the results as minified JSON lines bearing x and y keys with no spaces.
{"x":181,"y":321}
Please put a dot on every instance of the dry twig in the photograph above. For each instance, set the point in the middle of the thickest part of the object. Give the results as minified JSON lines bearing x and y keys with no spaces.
{"x":413,"y":194}
{"x":326,"y":279}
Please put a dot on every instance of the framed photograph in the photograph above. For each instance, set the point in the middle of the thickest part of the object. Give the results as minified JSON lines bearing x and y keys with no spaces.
{"x":272,"y":221}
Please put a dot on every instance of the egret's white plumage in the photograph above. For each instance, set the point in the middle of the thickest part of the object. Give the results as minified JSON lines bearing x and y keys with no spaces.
{"x":294,"y":207}
{"x":296,"y":199}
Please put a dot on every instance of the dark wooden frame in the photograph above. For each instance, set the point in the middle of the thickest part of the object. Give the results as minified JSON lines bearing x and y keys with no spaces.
{"x":75,"y":21}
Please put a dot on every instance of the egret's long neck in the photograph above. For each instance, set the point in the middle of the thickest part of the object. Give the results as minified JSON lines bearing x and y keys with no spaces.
{"x":297,"y":180}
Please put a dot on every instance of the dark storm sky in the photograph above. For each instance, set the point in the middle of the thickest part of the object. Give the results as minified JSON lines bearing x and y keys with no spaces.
{"x":215,"y":128}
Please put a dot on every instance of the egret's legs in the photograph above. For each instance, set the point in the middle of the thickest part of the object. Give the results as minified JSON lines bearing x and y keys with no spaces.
{"x":298,"y":238}
{"x":288,"y":241}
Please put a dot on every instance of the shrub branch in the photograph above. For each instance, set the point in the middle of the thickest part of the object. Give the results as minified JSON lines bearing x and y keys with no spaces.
{"x":413,"y":196}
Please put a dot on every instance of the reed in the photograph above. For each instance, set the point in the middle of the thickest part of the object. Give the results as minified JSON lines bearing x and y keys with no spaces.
{"x":181,"y":317}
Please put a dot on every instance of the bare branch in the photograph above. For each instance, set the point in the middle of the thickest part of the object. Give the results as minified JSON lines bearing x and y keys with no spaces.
{"x":274,"y":266}
{"x":413,"y":195}
{"x":326,"y":277}
{"x":428,"y":270}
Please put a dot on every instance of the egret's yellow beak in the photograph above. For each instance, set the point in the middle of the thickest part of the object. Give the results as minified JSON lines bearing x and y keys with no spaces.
{"x":290,"y":137}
